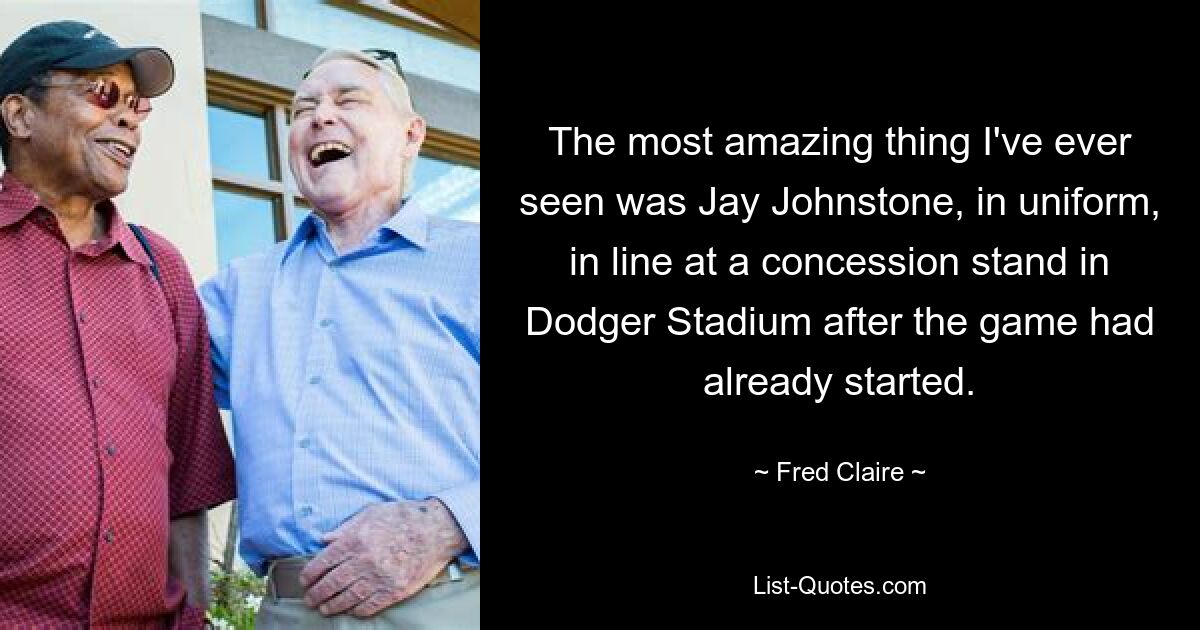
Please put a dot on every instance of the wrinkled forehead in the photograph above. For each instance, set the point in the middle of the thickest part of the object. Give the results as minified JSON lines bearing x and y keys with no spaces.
{"x":340,"y":75}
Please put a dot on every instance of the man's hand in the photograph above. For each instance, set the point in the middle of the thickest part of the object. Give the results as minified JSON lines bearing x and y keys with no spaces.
{"x":382,"y":555}
{"x":187,"y":556}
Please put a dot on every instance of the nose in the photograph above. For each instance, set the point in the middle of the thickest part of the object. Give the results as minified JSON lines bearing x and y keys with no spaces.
{"x":324,"y":115}
{"x":128,"y":119}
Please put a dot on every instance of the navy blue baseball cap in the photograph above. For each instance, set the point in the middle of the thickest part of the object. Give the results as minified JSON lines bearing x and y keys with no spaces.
{"x":69,"y":45}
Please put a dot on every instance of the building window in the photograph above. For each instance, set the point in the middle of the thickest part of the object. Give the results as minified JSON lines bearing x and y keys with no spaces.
{"x":241,"y":11}
{"x":446,"y":189}
{"x":248,"y":194}
{"x":240,"y":142}
{"x":300,"y":210}
{"x":341,"y":24}
{"x":245,"y":223}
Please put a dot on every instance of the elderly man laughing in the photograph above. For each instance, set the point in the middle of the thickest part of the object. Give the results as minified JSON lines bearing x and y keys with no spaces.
{"x":349,"y":355}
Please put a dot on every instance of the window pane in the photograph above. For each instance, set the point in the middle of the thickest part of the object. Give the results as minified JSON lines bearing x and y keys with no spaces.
{"x":300,"y":210}
{"x":239,"y":142}
{"x":245,"y":224}
{"x":240,"y":11}
{"x":328,"y":26}
{"x":447,"y":189}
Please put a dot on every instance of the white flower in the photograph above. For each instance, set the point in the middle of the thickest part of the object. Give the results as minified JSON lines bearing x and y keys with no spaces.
{"x":222,"y":624}
{"x":253,"y":601}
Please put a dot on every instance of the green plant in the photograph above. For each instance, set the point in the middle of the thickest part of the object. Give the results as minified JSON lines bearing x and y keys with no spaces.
{"x":235,"y":598}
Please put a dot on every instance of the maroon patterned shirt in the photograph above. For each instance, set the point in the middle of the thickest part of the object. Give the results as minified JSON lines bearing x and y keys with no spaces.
{"x":108,"y":427}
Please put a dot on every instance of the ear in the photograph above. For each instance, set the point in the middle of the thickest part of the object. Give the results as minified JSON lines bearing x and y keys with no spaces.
{"x":416,"y":136}
{"x":17,"y":115}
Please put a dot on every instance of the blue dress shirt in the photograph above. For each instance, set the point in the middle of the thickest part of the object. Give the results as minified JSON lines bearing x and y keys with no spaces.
{"x":353,"y":379}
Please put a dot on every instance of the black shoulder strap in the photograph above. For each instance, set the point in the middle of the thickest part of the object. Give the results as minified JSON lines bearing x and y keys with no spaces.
{"x":141,"y":237}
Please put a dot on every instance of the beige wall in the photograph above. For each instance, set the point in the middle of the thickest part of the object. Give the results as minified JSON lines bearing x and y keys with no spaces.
{"x":170,"y":188}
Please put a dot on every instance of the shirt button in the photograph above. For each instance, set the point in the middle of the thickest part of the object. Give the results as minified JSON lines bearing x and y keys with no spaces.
{"x":96,"y":382}
{"x":316,"y":380}
{"x":111,"y":450}
{"x":82,"y":316}
{"x":108,"y":536}
{"x":305,"y":510}
{"x":305,"y":443}
{"x":325,"y":323}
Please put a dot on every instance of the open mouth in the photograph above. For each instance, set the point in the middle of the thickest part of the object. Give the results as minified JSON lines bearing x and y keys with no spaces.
{"x":119,"y":150}
{"x":327,"y":152}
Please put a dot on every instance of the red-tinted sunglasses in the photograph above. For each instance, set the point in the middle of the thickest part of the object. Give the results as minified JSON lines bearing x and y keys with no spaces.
{"x":105,"y":95}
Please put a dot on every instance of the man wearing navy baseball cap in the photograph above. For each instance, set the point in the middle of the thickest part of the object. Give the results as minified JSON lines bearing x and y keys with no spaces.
{"x":113,"y":449}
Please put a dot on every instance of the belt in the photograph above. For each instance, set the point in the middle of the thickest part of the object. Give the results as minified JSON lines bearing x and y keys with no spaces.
{"x":283,"y":576}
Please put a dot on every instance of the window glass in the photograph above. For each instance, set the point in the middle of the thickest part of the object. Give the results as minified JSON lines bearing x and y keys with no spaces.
{"x":239,"y":142}
{"x":245,"y":224}
{"x":329,"y":26}
{"x":240,"y":11}
{"x":300,"y":210}
{"x":447,"y":189}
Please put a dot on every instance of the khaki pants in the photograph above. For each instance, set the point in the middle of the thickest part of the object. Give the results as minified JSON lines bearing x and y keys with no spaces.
{"x":452,"y":606}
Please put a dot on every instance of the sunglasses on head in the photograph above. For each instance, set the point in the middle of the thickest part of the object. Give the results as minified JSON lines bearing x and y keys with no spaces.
{"x":105,"y":94}
{"x":380,"y":54}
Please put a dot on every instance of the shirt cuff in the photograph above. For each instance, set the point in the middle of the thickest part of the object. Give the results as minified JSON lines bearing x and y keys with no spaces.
{"x":463,"y":503}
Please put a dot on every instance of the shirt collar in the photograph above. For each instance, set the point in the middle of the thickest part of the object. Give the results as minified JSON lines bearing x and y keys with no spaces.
{"x":17,"y":200}
{"x":120,"y":230}
{"x":409,"y":222}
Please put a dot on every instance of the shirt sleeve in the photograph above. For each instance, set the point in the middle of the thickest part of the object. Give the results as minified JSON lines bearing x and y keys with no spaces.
{"x":214,"y":295}
{"x":201,"y":473}
{"x":463,"y":502}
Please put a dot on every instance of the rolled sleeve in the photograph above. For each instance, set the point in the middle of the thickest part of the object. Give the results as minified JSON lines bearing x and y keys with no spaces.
{"x":463,"y":503}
